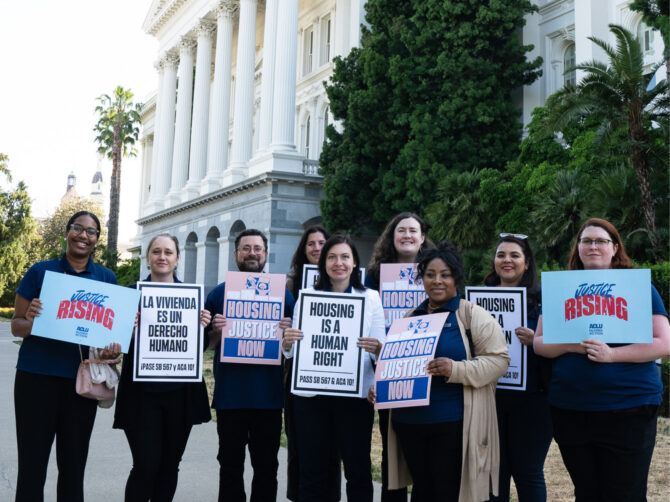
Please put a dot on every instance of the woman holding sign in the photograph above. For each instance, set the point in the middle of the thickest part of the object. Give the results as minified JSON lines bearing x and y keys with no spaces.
{"x":45,"y":401}
{"x":157,"y":416}
{"x":400,"y":242}
{"x":349,"y":419}
{"x":451,"y":446}
{"x":524,"y":421}
{"x":604,"y":398}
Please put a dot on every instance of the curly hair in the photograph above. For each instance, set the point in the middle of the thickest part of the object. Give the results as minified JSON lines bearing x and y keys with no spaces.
{"x":448,"y":253}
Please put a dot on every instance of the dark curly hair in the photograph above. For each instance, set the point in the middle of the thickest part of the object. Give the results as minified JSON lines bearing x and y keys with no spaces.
{"x":448,"y":253}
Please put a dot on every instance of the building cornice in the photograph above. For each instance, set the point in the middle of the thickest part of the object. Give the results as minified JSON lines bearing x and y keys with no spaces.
{"x":159,"y":12}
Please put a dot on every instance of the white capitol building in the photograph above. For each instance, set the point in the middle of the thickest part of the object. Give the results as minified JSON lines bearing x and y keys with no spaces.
{"x":232,"y":137}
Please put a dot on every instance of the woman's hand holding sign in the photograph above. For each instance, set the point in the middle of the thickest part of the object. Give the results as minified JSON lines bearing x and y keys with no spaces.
{"x":525,"y":335}
{"x":291,"y":335}
{"x":205,"y":318}
{"x":371,"y":345}
{"x":440,"y":366}
{"x":598,"y":351}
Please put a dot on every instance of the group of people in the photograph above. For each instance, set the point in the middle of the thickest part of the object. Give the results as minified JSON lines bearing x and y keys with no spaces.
{"x":598,"y":401}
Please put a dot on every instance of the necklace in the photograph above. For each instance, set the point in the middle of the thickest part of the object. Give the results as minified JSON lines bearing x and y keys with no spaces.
{"x":432,"y":307}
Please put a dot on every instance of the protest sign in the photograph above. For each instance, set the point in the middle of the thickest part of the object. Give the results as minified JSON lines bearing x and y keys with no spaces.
{"x":508,"y":306}
{"x":328,"y":360}
{"x":86,"y":312}
{"x":400,"y":377}
{"x":612,"y":305}
{"x":401,"y":290}
{"x":253,"y":307}
{"x":310,"y":274}
{"x":168,"y":343}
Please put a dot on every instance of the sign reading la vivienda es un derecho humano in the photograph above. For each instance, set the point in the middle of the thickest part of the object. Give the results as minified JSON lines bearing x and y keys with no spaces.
{"x":328,"y":360}
{"x":310,"y":274}
{"x":508,"y":306}
{"x":85,"y":312}
{"x":169,"y":341}
{"x":400,"y":378}
{"x":401,"y":290}
{"x":253,"y":307}
{"x":612,"y":305}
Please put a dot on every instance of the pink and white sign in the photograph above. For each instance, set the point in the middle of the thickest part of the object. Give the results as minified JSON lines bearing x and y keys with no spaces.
{"x":400,"y":289}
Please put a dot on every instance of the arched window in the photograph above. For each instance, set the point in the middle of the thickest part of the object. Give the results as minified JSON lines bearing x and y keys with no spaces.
{"x":646,"y":37}
{"x":569,"y":60}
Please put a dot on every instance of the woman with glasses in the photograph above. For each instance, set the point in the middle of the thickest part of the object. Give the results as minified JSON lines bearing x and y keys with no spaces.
{"x":45,"y":401}
{"x":604,"y":398}
{"x":451,"y":446}
{"x":349,"y":420}
{"x":157,"y":417}
{"x":401,"y":242}
{"x":524,"y":421}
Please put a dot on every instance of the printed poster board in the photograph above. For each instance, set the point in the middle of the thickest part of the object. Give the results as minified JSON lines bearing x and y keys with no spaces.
{"x":400,"y":290}
{"x":310,"y":274}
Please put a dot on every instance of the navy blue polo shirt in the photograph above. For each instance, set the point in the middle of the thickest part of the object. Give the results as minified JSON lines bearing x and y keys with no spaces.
{"x":45,"y":356}
{"x":446,"y":399}
{"x":242,"y":386}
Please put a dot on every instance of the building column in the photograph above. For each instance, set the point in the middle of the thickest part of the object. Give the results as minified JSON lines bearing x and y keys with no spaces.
{"x":283,"y":113}
{"x":152,"y":199}
{"x":198,"y":157}
{"x":313,"y":130}
{"x":164,"y":162}
{"x":267,"y":85}
{"x":147,"y":147}
{"x":224,"y":256}
{"x":182,"y":138}
{"x":341,"y":39}
{"x":217,"y":156}
{"x":200,"y":269}
{"x":244,"y":91}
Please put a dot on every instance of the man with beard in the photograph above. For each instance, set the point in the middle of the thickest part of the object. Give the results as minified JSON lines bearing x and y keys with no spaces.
{"x":248,"y":398}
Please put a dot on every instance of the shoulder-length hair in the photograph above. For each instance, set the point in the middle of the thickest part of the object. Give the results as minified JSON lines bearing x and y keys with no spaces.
{"x":384,"y":250}
{"x":300,"y":258}
{"x":620,"y":258}
{"x":355,"y":279}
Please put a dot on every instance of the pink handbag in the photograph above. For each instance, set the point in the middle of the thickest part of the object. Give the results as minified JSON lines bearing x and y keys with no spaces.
{"x":85,"y":386}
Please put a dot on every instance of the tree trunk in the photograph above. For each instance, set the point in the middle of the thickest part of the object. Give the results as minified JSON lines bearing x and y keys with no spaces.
{"x":114,"y":195}
{"x":639,"y":160}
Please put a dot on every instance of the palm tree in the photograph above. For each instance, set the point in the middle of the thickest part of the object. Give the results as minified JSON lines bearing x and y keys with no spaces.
{"x":117,"y":130}
{"x":615,"y":95}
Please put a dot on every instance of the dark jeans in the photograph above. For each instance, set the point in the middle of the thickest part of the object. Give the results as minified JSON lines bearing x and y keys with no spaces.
{"x":399,"y":495}
{"x":261,"y":430}
{"x":433,"y":453}
{"x":607,"y":453}
{"x":47,"y":407}
{"x":157,"y":442}
{"x":524,"y":425}
{"x":349,"y":420}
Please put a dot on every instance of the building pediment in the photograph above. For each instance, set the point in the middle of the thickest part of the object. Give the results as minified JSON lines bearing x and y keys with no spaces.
{"x":159,"y":13}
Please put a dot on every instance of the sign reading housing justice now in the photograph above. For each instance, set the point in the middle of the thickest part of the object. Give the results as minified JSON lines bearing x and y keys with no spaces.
{"x":328,"y":360}
{"x":612,"y":305}
{"x":507,"y":306}
{"x":86,"y":312}
{"x":253,"y":307}
{"x":400,"y":378}
{"x":168,"y":343}
{"x":400,"y":290}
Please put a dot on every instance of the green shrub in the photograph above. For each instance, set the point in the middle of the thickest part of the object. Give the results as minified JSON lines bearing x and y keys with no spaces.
{"x":6,"y":312}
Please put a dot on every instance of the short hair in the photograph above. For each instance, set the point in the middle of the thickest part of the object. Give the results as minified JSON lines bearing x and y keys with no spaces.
{"x":83,"y":213}
{"x":355,"y":279}
{"x":448,"y":253}
{"x":620,"y":258}
{"x":169,"y":236}
{"x":251,"y":232}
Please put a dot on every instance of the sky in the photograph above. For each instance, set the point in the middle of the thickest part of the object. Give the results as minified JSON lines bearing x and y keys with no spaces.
{"x":56,"y":58}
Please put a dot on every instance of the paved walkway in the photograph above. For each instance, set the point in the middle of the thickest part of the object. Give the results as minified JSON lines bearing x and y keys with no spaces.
{"x":109,"y":458}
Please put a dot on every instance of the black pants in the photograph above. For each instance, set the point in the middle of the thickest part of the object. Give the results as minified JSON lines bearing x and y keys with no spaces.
{"x":433,"y":453}
{"x":47,"y":407}
{"x":349,"y":420}
{"x":607,"y":453}
{"x":399,"y":495}
{"x":157,"y":442}
{"x":261,"y":430}
{"x":524,"y":425}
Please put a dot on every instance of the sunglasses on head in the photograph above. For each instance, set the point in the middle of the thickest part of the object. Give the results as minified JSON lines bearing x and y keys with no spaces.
{"x":516,"y":236}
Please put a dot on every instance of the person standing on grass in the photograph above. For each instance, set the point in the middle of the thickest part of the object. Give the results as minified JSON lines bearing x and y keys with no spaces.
{"x":248,"y":398}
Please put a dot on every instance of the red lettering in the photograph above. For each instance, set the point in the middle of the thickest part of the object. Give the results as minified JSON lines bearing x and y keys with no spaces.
{"x":587,"y":301}
{"x":62,"y":309}
{"x":81,"y":309}
{"x":570,"y":309}
{"x":607,"y":305}
{"x":97,"y":313}
{"x":108,"y":319}
{"x":622,"y":309}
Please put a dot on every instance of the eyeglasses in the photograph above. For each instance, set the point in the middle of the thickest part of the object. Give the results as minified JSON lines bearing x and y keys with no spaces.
{"x":90,"y":231}
{"x":249,"y":249}
{"x":516,"y":236}
{"x":600,"y":243}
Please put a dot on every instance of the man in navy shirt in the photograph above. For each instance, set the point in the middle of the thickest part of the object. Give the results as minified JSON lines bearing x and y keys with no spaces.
{"x":248,"y":398}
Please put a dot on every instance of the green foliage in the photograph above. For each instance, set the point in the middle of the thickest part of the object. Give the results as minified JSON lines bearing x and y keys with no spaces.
{"x":128,"y":272}
{"x":655,"y":13}
{"x":426,"y":95}
{"x":6,"y":312}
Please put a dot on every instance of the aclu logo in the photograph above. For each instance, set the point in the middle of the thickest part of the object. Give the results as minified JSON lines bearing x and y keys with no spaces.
{"x":419,"y":326}
{"x":260,"y":285}
{"x":595,"y":329}
{"x":81,"y":332}
{"x":408,"y":274}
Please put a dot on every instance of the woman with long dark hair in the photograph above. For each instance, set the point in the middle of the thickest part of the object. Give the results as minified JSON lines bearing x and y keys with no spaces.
{"x":307,"y":253}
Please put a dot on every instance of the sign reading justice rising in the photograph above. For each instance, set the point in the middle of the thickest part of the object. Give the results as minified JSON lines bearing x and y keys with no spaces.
{"x":253,"y":307}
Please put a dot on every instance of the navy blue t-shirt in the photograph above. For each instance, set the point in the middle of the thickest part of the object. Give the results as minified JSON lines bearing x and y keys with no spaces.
{"x":446,"y":399}
{"x":577,"y":383}
{"x":241,"y":386}
{"x":45,"y":356}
